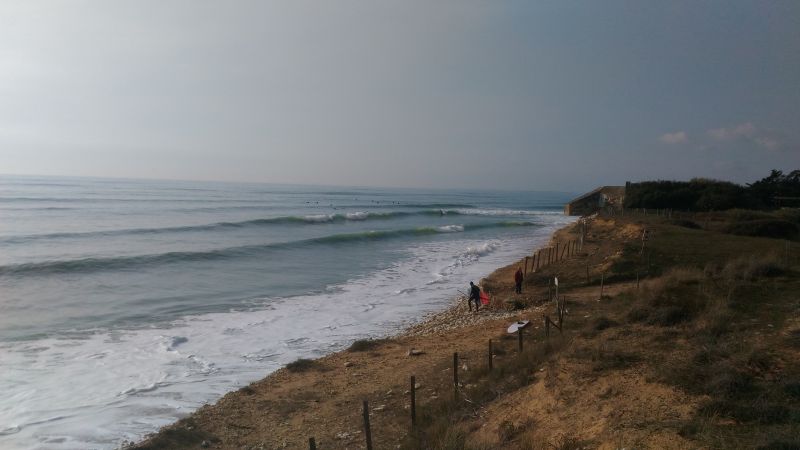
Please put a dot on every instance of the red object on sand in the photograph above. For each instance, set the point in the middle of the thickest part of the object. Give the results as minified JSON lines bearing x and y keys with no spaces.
{"x":484,"y":298}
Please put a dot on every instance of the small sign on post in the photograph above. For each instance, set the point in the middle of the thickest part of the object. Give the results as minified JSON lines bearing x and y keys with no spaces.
{"x":555,"y":281}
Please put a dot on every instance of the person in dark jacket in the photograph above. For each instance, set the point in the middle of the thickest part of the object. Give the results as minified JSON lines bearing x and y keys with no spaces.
{"x":518,"y":280}
{"x":474,"y":295}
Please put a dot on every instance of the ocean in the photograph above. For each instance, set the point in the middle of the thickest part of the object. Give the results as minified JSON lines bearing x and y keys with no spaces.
{"x":127,"y":304}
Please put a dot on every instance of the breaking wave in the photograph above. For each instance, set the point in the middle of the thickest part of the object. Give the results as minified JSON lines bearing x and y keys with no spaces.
{"x":85,"y":265}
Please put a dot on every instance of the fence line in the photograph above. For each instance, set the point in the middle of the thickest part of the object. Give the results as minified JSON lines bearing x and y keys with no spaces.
{"x":560,"y":313}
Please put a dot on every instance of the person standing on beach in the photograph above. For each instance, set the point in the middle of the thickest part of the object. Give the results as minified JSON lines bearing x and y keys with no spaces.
{"x":518,"y":277}
{"x":474,"y":295}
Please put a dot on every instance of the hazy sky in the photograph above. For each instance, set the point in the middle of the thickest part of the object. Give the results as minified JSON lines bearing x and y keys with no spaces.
{"x":559,"y":95}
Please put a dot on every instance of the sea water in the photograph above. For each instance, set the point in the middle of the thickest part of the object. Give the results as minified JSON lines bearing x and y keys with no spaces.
{"x":125,"y":305}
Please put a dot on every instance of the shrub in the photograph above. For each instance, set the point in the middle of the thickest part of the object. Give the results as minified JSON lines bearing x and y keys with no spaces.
{"x":302,"y":365}
{"x":758,"y":411}
{"x":752,"y":268}
{"x":781,"y":445}
{"x":771,"y":228}
{"x":363,"y":345}
{"x":685,"y":223}
{"x":792,"y":390}
{"x":602,"y":323}
{"x":183,"y":434}
{"x":794,"y":338}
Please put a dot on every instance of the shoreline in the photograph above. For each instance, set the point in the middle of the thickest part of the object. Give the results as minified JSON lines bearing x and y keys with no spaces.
{"x":453,"y":318}
{"x":261,"y":341}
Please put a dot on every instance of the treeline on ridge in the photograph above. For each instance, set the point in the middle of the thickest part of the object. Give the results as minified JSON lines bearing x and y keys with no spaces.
{"x":702,"y":194}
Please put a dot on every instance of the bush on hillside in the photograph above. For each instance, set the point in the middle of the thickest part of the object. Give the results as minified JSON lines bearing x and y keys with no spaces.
{"x":771,"y":228}
{"x":685,"y":223}
{"x":302,"y":365}
{"x":363,"y":345}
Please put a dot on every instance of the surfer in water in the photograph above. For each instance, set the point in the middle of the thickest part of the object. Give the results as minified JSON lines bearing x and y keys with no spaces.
{"x":518,"y":280}
{"x":474,"y":295}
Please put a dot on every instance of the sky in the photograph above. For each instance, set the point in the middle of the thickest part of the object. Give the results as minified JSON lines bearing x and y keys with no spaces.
{"x":544,"y":95}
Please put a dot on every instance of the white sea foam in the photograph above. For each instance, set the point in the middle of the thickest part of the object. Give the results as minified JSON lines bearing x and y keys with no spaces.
{"x":483,"y":249}
{"x":319,"y":218}
{"x":504,"y":212}
{"x":450,"y":228}
{"x":358,"y":215}
{"x":99,"y":390}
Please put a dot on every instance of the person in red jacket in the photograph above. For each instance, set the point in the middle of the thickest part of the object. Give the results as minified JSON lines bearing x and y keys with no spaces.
{"x":518,"y":280}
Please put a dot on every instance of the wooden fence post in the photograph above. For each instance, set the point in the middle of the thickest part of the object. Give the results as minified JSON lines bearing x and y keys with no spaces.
{"x":519,"y":339}
{"x":602,"y":279}
{"x":413,"y":402}
{"x":546,"y":327}
{"x":367,"y":432}
{"x":526,"y":265}
{"x":455,"y":375}
{"x":786,"y":259}
{"x":490,"y":355}
{"x":539,"y":259}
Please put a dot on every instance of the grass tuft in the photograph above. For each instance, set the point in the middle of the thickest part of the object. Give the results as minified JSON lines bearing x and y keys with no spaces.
{"x":606,"y":357}
{"x":364,"y":345}
{"x":302,"y":365}
{"x":184,"y":434}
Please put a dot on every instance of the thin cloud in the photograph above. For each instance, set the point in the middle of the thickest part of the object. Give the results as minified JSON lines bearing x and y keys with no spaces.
{"x":746,"y":132}
{"x":678,"y":137}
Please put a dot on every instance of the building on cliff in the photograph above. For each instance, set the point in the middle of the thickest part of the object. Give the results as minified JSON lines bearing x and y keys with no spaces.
{"x":604,"y":198}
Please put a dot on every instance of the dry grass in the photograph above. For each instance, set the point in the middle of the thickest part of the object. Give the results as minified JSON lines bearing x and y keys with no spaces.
{"x":514,"y":372}
{"x":751,"y":268}
{"x":676,"y":297}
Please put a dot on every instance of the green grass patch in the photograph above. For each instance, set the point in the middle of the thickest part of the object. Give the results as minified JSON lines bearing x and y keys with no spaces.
{"x":302,"y":365}
{"x":364,"y":345}
{"x":184,"y":434}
